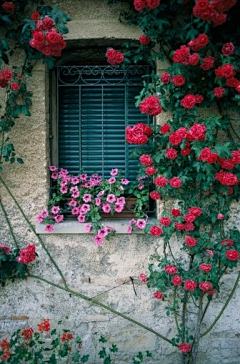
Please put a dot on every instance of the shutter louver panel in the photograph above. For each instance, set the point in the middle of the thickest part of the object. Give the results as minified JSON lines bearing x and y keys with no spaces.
{"x":92,"y":120}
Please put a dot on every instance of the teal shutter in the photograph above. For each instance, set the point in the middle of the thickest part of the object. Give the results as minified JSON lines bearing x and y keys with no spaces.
{"x":95,"y":104}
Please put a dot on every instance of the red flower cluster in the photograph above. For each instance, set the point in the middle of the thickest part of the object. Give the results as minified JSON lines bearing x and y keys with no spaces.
{"x":196,"y":132}
{"x":176,"y":212}
{"x":144,"y":40}
{"x":165,"y":128}
{"x":190,"y":285}
{"x":226,"y":71}
{"x":205,"y":286}
{"x":155,"y":230}
{"x":144,"y":4}
{"x":165,"y":221}
{"x":171,"y":153}
{"x":150,"y":171}
{"x":4,"y":345}
{"x":114,"y":57}
{"x":208,"y":63}
{"x":226,"y":178}
{"x":138,"y":134}
{"x":150,"y":106}
{"x":177,"y":280}
{"x":8,"y":7}
{"x":66,"y":336}
{"x":207,"y":156}
{"x":230,"y":163}
{"x":5,"y":247}
{"x":189,"y":101}
{"x":205,"y":267}
{"x":183,"y":56}
{"x":44,"y":326}
{"x":27,"y":255}
{"x":5,"y":77}
{"x":27,"y":333}
{"x":160,"y":181}
{"x":227,"y":242}
{"x":213,"y":11}
{"x":175,"y":182}
{"x":177,"y":137}
{"x":199,"y":43}
{"x":46,"y":39}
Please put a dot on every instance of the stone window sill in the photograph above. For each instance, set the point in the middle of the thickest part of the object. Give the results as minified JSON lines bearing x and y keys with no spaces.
{"x":74,"y":227}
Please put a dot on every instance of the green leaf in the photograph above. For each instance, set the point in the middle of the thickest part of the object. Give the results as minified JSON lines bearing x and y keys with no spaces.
{"x":25,"y":110}
{"x":20,"y":161}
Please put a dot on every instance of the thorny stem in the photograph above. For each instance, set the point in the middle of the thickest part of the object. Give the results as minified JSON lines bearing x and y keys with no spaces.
{"x":224,"y":307}
{"x":34,"y":232}
{"x":96,"y":302}
{"x":197,"y":333}
{"x":9,"y":224}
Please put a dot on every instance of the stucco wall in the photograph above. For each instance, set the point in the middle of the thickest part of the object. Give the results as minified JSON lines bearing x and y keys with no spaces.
{"x":95,"y":271}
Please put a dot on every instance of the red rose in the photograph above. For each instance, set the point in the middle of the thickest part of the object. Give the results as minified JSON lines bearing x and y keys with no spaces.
{"x":139,"y":4}
{"x":150,"y":106}
{"x":175,"y":182}
{"x":228,"y":49}
{"x":110,"y":53}
{"x":39,"y":38}
{"x":232,"y":82}
{"x":150,"y":171}
{"x":158,"y":295}
{"x":143,"y":277}
{"x":15,"y":86}
{"x":165,"y":78}
{"x":205,"y":267}
{"x":218,"y":72}
{"x":227,"y":242}
{"x":205,"y":286}
{"x":208,"y":63}
{"x":177,"y":281}
{"x":197,"y":211}
{"x":185,"y":348}
{"x":152,"y":4}
{"x":160,"y":181}
{"x":194,"y":59}
{"x":190,"y":241}
{"x":228,"y":70}
{"x":179,"y":80}
{"x":175,"y":139}
{"x":179,"y":226}
{"x":171,"y":153}
{"x":219,"y":91}
{"x":185,"y":151}
{"x":165,"y":128}
{"x":189,"y":218}
{"x":182,"y":55}
{"x":8,"y":7}
{"x":144,"y":40}
{"x":155,"y":195}
{"x":176,"y":212}
{"x":47,"y":23}
{"x":226,"y":178}
{"x":35,"y":15}
{"x":205,"y":154}
{"x":190,"y":285}
{"x":226,"y":163}
{"x":197,"y":131}
{"x":155,"y":230}
{"x":146,"y":160}
{"x":165,"y":221}
{"x":199,"y":98}
{"x":170,"y":269}
{"x":189,"y":226}
{"x":53,"y":37}
{"x":188,"y":101}
{"x":232,"y":255}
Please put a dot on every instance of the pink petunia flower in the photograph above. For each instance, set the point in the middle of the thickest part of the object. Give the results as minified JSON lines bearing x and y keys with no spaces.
{"x":98,"y":239}
{"x":129,"y":229}
{"x":72,"y":203}
{"x":87,"y":197}
{"x":81,"y":218}
{"x":87,"y":227}
{"x":112,"y":180}
{"x":125,"y":181}
{"x":39,"y":218}
{"x":140,"y":224}
{"x":64,"y":189}
{"x":53,"y":168}
{"x":75,"y":211}
{"x":103,"y":232}
{"x":106,"y":208}
{"x":118,"y":207}
{"x":111,"y":198}
{"x":59,"y":218}
{"x":97,"y":201}
{"x":44,"y":213}
{"x":114,"y":172}
{"x":121,"y":200}
{"x":83,"y":177}
{"x":55,"y":210}
{"x":49,"y":227}
{"x":54,"y":175}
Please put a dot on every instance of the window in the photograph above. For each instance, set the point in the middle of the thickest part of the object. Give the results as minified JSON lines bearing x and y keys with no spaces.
{"x":95,"y":104}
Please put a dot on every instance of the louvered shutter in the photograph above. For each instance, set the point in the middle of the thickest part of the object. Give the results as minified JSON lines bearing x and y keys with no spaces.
{"x":92,"y":118}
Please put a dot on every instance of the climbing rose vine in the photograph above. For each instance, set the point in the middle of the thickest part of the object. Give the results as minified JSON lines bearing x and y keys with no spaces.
{"x":193,"y":159}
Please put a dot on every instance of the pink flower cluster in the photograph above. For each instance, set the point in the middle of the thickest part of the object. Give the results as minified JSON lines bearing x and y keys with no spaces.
{"x":46,"y":39}
{"x":136,"y":224}
{"x":27,"y":255}
{"x":138,"y":134}
{"x":145,"y":4}
{"x":114,"y":57}
{"x":150,"y":106}
{"x":213,"y":11}
{"x":102,"y":233}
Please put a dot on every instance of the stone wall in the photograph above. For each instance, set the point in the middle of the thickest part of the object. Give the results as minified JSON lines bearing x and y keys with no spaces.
{"x":104,"y":271}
